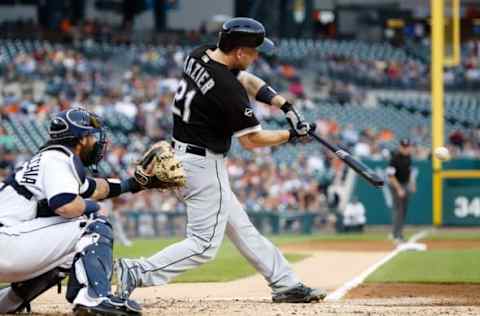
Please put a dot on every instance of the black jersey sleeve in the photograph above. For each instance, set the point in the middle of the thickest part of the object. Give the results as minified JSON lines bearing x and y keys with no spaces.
{"x":240,"y":115}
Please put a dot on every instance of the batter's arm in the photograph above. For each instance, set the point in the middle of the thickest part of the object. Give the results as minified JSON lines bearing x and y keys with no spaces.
{"x":264,"y":138}
{"x":252,"y":84}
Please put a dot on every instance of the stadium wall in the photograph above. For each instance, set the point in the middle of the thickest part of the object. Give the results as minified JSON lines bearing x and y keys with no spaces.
{"x":461,"y":198}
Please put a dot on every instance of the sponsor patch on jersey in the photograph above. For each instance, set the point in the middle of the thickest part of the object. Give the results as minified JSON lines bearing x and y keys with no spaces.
{"x":248,"y":112}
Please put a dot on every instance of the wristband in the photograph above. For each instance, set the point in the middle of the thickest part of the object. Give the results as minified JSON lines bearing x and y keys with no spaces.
{"x":266,"y":94}
{"x":91,"y":207}
{"x":117,"y":187}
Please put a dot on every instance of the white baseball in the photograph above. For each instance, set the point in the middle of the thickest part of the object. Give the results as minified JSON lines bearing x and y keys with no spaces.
{"x":441,"y":153}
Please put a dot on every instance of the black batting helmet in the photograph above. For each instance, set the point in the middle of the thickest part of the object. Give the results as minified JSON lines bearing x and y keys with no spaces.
{"x":244,"y":32}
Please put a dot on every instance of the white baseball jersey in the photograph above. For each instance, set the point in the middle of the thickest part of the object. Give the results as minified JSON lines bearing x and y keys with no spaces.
{"x":33,"y":245}
{"x":46,"y":175}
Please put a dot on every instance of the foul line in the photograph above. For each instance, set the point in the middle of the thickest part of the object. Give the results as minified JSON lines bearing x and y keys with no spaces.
{"x":340,"y":292}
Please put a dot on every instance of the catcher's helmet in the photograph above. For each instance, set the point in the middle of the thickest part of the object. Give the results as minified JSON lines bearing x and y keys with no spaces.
{"x":75,"y":123}
{"x":244,"y":32}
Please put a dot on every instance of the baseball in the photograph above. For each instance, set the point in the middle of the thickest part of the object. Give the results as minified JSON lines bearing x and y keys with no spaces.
{"x":442,"y":153}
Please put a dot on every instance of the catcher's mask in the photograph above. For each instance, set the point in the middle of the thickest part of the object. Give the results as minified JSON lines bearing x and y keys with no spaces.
{"x":244,"y":32}
{"x":76,"y":123}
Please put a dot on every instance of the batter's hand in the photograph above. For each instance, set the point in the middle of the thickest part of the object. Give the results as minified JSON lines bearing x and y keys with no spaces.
{"x":296,"y":120}
{"x":294,"y":136}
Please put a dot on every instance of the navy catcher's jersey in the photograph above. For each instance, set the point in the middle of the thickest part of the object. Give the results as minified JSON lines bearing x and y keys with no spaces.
{"x":211,"y":105}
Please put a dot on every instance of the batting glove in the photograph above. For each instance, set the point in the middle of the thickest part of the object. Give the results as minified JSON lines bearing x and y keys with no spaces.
{"x":296,"y":120}
{"x":294,"y":136}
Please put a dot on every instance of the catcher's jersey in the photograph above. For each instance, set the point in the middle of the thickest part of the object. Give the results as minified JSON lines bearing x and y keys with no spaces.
{"x":211,"y":105}
{"x":49,"y":173}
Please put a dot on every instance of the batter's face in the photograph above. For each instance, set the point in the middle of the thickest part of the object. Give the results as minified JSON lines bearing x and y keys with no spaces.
{"x":244,"y":57}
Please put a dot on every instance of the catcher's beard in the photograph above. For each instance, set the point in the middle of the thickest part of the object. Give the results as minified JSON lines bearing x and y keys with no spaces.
{"x":88,"y":154}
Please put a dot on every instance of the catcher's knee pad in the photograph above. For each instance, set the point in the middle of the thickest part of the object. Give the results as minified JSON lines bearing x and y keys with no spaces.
{"x":93,"y":263}
{"x":30,"y":289}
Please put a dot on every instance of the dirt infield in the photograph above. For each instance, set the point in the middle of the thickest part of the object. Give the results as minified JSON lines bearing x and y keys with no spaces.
{"x":331,"y":264}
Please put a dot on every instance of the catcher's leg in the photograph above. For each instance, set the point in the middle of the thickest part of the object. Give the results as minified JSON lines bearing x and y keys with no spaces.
{"x":18,"y":296}
{"x":89,"y":285}
{"x":267,"y":259}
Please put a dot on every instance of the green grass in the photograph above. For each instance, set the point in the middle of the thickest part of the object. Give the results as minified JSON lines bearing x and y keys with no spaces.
{"x":228,"y":265}
{"x":454,"y":234}
{"x":458,"y":266}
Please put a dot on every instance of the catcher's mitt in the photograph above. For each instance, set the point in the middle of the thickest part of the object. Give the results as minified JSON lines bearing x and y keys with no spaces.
{"x":159,"y":168}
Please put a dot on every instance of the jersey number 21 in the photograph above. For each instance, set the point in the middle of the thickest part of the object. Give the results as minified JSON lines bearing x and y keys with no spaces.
{"x":183,"y":100}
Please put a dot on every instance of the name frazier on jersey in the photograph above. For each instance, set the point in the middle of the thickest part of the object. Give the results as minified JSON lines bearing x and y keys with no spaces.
{"x":199,"y":74}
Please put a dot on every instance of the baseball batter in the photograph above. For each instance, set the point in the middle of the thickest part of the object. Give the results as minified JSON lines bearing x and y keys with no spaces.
{"x":212,"y":105}
{"x":51,"y":224}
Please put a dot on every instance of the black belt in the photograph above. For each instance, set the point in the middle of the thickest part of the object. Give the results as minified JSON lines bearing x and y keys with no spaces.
{"x":20,"y":189}
{"x":195,"y":150}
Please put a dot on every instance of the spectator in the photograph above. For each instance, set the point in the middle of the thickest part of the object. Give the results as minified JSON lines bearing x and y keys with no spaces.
{"x":354,"y":217}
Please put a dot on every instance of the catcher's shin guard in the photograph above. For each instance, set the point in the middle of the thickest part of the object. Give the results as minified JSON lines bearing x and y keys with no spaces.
{"x":89,"y":285}
{"x":92,"y":265}
{"x":30,"y":289}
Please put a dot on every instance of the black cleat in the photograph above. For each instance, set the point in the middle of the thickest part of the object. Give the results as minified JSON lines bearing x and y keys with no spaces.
{"x":299,"y":294}
{"x":114,"y":306}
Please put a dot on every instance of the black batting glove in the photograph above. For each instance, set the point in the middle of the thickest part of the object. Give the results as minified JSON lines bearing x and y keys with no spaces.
{"x":295,"y":120}
{"x":294,"y":136}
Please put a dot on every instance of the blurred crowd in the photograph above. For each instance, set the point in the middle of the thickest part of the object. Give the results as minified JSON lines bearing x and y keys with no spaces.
{"x":141,"y":87}
{"x":414,"y":73}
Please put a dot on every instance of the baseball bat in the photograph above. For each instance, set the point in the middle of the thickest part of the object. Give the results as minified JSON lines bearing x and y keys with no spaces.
{"x":353,"y":163}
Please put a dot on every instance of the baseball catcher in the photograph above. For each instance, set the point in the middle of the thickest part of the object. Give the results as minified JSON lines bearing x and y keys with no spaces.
{"x":50,"y":198}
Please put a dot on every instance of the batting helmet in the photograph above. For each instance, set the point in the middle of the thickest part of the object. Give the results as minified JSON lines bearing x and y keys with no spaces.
{"x":244,"y":32}
{"x":75,"y":123}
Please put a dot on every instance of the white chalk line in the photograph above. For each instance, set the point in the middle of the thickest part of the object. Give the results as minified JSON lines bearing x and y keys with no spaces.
{"x":341,"y":291}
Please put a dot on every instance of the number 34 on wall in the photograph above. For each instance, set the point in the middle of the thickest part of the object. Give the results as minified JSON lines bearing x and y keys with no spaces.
{"x":465,"y":207}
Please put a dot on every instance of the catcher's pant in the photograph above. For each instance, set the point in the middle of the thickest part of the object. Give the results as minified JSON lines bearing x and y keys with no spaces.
{"x":212,"y":209}
{"x":37,"y":246}
{"x":33,"y":248}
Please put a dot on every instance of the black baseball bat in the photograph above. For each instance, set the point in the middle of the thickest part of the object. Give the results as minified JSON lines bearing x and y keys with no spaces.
{"x":353,"y":163}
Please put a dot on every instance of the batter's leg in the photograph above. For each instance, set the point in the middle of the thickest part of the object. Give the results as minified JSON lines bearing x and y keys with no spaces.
{"x":207,"y":216}
{"x":259,"y":251}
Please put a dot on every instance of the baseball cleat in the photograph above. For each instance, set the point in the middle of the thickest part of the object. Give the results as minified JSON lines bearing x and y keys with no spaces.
{"x":299,"y":294}
{"x":113,"y":306}
{"x":126,"y":281}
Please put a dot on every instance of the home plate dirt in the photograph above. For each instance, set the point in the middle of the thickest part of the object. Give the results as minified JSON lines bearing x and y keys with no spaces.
{"x":326,"y":268}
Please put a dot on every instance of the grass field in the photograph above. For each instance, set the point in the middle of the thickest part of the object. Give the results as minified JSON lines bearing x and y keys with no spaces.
{"x":459,"y":266}
{"x":435,"y":266}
